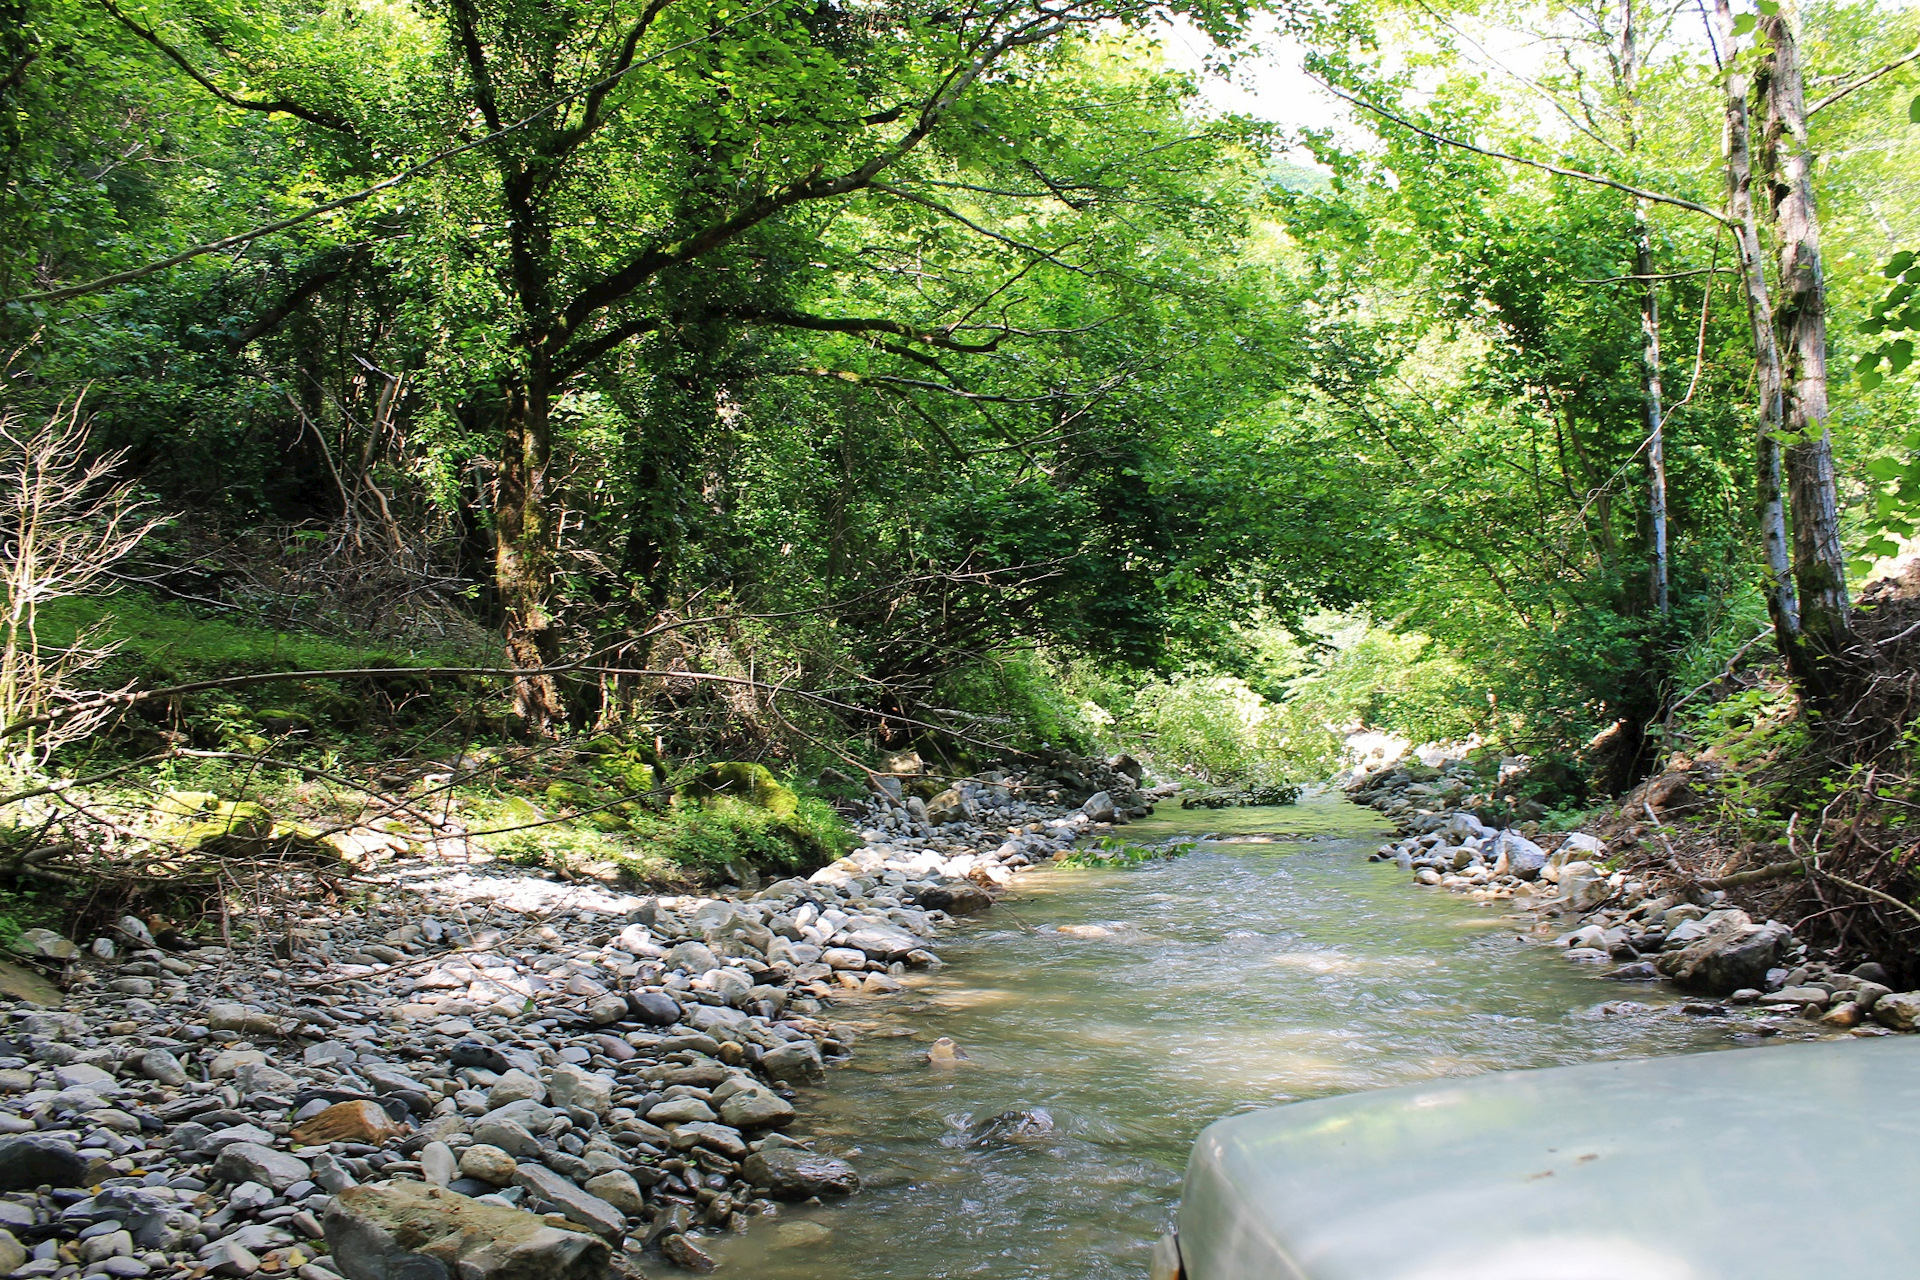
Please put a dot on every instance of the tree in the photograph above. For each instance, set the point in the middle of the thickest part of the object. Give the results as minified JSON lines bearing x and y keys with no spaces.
{"x":1819,"y":559}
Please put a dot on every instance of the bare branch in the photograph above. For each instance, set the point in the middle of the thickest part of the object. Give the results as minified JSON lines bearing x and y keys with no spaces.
{"x":1597,"y":179}
{"x":1862,"y":82}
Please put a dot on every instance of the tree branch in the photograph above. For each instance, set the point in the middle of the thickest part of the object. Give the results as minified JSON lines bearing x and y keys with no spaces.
{"x":650,"y":261}
{"x":365,"y":193}
{"x":1049,"y":255}
{"x":312,"y":115}
{"x":591,"y":117}
{"x":1862,"y":82}
{"x":1655,"y":196}
{"x":271,"y":318}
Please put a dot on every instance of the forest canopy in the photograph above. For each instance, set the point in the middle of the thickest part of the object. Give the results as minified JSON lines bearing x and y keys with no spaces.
{"x":967,"y":367}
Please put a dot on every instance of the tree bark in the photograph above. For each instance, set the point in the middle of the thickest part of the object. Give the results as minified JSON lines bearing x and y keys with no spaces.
{"x":1782,"y":602}
{"x":1658,"y":571}
{"x":1656,"y":421}
{"x":1819,"y":559}
{"x":523,"y":567}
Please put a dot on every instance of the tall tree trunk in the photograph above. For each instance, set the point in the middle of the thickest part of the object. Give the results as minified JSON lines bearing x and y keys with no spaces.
{"x":1658,"y":572}
{"x":1819,"y":560}
{"x":1656,"y":422}
{"x":1782,"y":603}
{"x":523,"y":565}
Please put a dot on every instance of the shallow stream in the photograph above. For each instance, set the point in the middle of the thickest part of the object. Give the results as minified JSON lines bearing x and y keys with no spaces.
{"x":1239,"y":976}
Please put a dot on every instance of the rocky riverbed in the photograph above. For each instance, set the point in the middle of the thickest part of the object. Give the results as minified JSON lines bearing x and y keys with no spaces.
{"x":1631,"y":930}
{"x":478,"y":1071}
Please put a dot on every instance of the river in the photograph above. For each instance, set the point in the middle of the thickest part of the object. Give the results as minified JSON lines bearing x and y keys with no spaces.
{"x":1239,"y":976}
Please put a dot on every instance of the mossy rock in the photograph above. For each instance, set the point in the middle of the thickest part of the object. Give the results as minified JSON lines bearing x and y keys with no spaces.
{"x":516,"y":812}
{"x":186,"y":804}
{"x":634,"y":766}
{"x":207,"y":824}
{"x":240,"y":820}
{"x":564,"y":796}
{"x":745,"y":781}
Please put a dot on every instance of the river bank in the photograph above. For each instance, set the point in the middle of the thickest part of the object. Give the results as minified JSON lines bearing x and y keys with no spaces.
{"x":520,"y":1078}
{"x":1630,"y":930}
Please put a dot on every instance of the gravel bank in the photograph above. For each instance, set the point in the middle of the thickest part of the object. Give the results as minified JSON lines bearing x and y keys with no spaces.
{"x":1631,"y":931}
{"x":480,"y":1072}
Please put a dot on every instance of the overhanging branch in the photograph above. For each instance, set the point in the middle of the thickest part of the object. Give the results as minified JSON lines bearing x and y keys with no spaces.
{"x":1657,"y":197}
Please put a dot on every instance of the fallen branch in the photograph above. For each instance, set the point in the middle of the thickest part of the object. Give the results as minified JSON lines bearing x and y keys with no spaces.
{"x":1773,"y":871}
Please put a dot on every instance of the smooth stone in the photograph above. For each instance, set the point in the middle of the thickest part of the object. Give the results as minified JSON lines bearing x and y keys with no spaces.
{"x":618,"y":1188}
{"x":28,"y":1162}
{"x":487,"y":1163}
{"x":572,"y":1086}
{"x":590,"y":1211}
{"x":792,"y":1174}
{"x":252,"y":1162}
{"x":437,"y":1163}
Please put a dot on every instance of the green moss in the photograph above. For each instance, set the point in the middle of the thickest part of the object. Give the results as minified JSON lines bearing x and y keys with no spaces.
{"x":741,"y":780}
{"x":158,"y":644}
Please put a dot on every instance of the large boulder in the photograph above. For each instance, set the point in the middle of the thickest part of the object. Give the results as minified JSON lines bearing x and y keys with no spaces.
{"x":546,"y":1187}
{"x":880,"y":943}
{"x":654,"y":1008}
{"x":1099,"y":807}
{"x":415,"y":1231}
{"x":1521,"y":856}
{"x":950,"y":805}
{"x":1583,"y":886}
{"x":797,"y":1061}
{"x":44,"y":944}
{"x":1732,"y":953}
{"x":745,"y":1103}
{"x":1900,"y":1012}
{"x":573,"y":1086}
{"x":359,"y":1120}
{"x":789,"y":1173}
{"x":695,"y":958}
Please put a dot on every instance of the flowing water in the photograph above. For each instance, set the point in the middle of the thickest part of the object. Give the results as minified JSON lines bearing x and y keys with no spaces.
{"x":1242,"y":975}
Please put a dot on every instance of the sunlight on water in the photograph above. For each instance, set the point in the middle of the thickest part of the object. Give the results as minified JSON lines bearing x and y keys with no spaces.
{"x":1240,"y":976}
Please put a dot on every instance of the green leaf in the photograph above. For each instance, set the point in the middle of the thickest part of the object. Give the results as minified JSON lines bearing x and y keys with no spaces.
{"x":1870,"y":380}
{"x":1900,"y":261}
{"x":1899,"y":355}
{"x":1744,"y":22}
{"x":1913,"y":110}
{"x":1885,"y":468}
{"x":1873,"y":326}
{"x":1768,"y":7}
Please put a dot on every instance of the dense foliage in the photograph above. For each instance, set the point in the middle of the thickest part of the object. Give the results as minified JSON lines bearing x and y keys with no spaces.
{"x":954,"y":367}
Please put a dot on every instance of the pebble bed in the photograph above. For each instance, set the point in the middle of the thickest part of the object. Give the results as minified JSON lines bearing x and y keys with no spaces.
{"x":1633,"y":932}
{"x":484,"y":1073}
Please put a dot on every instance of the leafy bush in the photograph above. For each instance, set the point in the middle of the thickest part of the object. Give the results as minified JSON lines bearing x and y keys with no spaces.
{"x":1021,"y":698}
